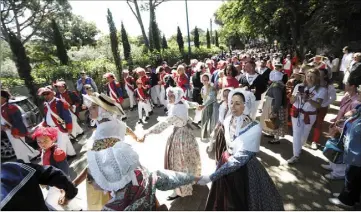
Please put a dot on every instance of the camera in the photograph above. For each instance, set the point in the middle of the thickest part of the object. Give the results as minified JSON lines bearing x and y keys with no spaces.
{"x":301,"y":89}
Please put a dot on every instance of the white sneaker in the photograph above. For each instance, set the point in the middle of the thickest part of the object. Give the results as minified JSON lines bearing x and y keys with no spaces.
{"x":293,"y":160}
{"x":314,"y":146}
{"x":326,"y":166}
{"x":335,"y":194}
{"x":337,"y":202}
{"x":332,"y":177}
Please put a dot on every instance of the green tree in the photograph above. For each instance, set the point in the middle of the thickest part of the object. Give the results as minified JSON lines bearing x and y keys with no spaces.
{"x":208,"y":40}
{"x":22,"y":63}
{"x":126,"y":45}
{"x":164,"y":43}
{"x":14,"y":25}
{"x":196,"y":38}
{"x":156,"y":40}
{"x":216,"y":39}
{"x":180,"y":40}
{"x":59,"y":43}
{"x":114,"y":44}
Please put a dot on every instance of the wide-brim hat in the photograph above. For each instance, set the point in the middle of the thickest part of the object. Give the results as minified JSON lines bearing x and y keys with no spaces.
{"x":59,"y":84}
{"x":46,"y":89}
{"x":278,"y":64}
{"x":125,"y":71}
{"x":113,"y":168}
{"x":103,"y":101}
{"x":82,"y":72}
{"x":109,"y":74}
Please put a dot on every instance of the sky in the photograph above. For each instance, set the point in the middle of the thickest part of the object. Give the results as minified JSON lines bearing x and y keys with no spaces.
{"x":169,"y":15}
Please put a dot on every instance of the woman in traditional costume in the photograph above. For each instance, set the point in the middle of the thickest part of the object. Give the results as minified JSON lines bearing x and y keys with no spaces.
{"x":117,"y":171}
{"x":208,"y":94}
{"x":275,"y":108}
{"x":218,"y":133}
{"x":240,"y":181}
{"x":109,"y":131}
{"x":182,"y":151}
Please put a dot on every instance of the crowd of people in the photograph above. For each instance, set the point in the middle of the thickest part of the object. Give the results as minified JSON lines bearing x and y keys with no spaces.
{"x":226,"y":92}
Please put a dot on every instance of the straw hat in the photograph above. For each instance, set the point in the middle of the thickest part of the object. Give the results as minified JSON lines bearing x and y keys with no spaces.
{"x":46,"y":89}
{"x":103,"y":101}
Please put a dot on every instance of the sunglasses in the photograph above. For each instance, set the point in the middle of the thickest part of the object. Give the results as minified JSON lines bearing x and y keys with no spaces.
{"x":88,"y":88}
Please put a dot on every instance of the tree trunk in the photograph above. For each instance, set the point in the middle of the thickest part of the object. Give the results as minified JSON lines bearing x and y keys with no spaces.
{"x":140,"y":21}
{"x":23,"y":65}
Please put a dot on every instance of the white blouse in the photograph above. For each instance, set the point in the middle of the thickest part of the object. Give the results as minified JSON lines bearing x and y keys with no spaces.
{"x":314,"y":94}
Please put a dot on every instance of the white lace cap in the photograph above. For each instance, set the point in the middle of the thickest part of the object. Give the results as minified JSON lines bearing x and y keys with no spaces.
{"x":250,"y":99}
{"x":113,"y":168}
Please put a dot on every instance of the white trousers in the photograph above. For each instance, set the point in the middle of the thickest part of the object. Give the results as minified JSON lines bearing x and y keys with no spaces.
{"x":146,"y":106}
{"x":155,"y":94}
{"x":64,"y":143}
{"x":131,"y":96}
{"x":22,"y":150}
{"x":197,"y":116}
{"x":163,"y":101}
{"x":77,"y":130}
{"x":338,"y":170}
{"x":301,"y":132}
{"x":254,"y":110}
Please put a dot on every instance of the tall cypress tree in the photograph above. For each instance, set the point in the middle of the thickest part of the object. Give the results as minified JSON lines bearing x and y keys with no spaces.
{"x":164,"y":43}
{"x":216,"y":38}
{"x":208,"y":40}
{"x":126,"y":45}
{"x":180,"y":40}
{"x":196,"y":38}
{"x":156,"y":36}
{"x":114,"y":44}
{"x":59,"y":43}
{"x":23,"y":65}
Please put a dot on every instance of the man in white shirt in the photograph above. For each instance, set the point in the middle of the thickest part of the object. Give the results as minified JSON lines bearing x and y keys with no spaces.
{"x":345,"y":63}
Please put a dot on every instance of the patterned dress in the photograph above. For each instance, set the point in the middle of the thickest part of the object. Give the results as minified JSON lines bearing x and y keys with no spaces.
{"x":182,"y":151}
{"x":142,"y":197}
{"x":208,"y":122}
{"x":240,"y":181}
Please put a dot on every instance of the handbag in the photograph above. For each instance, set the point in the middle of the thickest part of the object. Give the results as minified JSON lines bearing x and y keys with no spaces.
{"x":333,"y":151}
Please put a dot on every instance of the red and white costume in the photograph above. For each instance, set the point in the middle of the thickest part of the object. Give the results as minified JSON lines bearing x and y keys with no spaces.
{"x":287,"y":66}
{"x":143,"y":102}
{"x":129,"y":87}
{"x":51,"y":113}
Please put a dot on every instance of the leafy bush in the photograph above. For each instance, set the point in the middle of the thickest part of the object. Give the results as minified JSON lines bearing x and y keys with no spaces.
{"x":8,"y":69}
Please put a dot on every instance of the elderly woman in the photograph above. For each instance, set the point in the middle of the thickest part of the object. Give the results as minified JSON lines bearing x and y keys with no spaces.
{"x":117,"y":171}
{"x":351,"y":137}
{"x":182,"y":151}
{"x":109,"y":131}
{"x":274,"y":109}
{"x":240,"y":181}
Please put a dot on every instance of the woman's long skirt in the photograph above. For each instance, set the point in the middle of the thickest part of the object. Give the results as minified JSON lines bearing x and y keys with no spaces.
{"x":282,"y":119}
{"x":248,"y":188}
{"x":182,"y":154}
{"x":207,"y":122}
{"x":220,"y":142}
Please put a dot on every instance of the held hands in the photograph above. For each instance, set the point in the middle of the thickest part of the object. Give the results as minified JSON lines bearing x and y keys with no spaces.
{"x":204,"y":180}
{"x":62,"y":199}
{"x":200,"y":107}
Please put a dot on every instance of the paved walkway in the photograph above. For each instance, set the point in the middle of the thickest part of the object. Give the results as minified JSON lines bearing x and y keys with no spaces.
{"x":302,"y":185}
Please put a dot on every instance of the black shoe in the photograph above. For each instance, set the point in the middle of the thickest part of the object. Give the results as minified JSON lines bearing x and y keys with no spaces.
{"x":161,"y":106}
{"x":131,"y":109}
{"x":172,"y":198}
{"x":125,"y":118}
{"x":274,"y":141}
{"x":165,"y":110}
{"x":151,"y":113}
{"x":146,"y":118}
{"x":140,"y":121}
